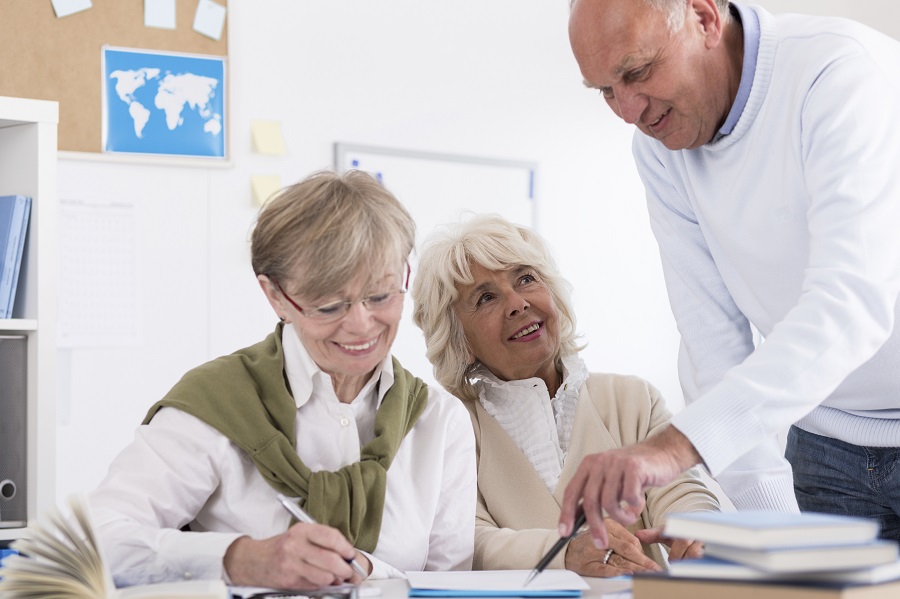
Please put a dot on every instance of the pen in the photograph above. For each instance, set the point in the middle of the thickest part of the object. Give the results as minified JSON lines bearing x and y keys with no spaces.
{"x":579,"y":522}
{"x":301,"y":516}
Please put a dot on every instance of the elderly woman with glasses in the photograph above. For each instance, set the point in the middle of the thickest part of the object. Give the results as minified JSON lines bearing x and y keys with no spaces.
{"x":500,"y":332}
{"x":318,"y":412}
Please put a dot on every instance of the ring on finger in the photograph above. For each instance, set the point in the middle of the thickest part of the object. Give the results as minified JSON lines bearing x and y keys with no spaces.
{"x":608,"y":555}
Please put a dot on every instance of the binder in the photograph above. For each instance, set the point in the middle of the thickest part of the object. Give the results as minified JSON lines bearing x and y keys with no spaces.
{"x":14,"y":212}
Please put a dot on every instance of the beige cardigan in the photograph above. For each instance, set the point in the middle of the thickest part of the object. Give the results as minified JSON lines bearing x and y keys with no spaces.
{"x":517,"y":516}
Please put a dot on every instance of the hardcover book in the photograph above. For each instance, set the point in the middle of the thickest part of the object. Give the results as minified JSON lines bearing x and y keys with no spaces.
{"x":719,"y":569}
{"x":650,"y":586}
{"x":768,"y":530}
{"x":808,"y":559}
{"x":14,"y":211}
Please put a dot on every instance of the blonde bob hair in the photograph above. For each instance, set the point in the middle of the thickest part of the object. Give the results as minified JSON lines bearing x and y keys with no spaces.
{"x":446,"y":261}
{"x":320,"y":234}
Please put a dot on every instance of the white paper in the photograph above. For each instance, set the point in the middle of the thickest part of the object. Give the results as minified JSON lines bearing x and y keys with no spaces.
{"x":98,"y":300}
{"x":64,"y":8}
{"x":497,"y":581}
{"x":209,"y":19}
{"x":159,"y":14}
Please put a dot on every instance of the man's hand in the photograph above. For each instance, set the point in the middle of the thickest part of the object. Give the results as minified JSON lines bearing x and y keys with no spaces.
{"x":615,"y":480}
{"x":678,"y":548}
{"x":307,"y":556}
{"x":627,"y":556}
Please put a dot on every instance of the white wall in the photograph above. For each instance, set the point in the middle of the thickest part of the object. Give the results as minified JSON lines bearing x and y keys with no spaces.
{"x":493,"y":79}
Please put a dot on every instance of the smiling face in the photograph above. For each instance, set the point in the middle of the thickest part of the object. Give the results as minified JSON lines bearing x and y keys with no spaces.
{"x":670,"y":85}
{"x":350,"y":348}
{"x":511,"y":323}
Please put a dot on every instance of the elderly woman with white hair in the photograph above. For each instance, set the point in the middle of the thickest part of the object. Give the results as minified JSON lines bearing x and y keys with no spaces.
{"x":500,"y":332}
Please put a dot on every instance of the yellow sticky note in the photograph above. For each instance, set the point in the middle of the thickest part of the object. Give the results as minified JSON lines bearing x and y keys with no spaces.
{"x":264,"y":187}
{"x":267,"y":138}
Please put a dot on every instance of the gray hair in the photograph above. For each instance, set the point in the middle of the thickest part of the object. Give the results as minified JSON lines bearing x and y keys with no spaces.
{"x":446,"y":261}
{"x":326,"y":230}
{"x":675,"y":11}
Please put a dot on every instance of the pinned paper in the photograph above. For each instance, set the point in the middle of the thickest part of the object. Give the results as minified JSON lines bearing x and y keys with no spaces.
{"x":159,"y":13}
{"x":267,"y":138}
{"x":64,"y":8}
{"x":209,"y":19}
{"x":264,"y":187}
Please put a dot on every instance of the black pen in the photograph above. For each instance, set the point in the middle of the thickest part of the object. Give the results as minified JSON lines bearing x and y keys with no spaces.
{"x":301,"y":516}
{"x":545,"y":561}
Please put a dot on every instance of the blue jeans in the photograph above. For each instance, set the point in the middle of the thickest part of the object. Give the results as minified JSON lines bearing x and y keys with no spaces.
{"x":835,"y":477}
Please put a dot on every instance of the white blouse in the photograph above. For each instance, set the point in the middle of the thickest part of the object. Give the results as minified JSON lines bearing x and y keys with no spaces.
{"x":179,"y":471}
{"x":539,"y":425}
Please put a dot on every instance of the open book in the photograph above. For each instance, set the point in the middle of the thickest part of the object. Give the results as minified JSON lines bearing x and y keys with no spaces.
{"x":61,"y":559}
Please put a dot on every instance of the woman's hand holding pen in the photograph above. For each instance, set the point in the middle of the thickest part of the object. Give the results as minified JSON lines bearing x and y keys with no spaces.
{"x":627,"y":556}
{"x":307,"y":556}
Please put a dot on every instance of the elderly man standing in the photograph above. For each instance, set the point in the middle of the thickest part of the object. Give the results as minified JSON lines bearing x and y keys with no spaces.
{"x":769,"y":147}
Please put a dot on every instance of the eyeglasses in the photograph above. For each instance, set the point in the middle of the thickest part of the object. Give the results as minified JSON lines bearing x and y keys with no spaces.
{"x":334,"y":311}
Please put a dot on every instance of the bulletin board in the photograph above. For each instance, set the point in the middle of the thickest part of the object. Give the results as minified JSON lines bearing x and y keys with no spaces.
{"x":50,"y":58}
{"x":437,"y":189}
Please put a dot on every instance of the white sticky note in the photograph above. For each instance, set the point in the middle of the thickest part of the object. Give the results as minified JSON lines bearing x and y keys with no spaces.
{"x":209,"y":19}
{"x":159,"y":14}
{"x":267,"y":138}
{"x":64,"y":8}
{"x":264,"y":187}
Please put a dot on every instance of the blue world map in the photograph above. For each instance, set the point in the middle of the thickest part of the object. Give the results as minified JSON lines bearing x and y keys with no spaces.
{"x":160,"y":103}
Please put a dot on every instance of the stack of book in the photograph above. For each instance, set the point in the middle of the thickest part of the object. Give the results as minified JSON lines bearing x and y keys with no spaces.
{"x":14,"y":211}
{"x":778,"y":556}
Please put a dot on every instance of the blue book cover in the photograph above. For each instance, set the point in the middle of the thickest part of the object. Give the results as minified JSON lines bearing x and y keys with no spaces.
{"x":20,"y":250}
{"x":495,"y":583}
{"x":13,"y":212}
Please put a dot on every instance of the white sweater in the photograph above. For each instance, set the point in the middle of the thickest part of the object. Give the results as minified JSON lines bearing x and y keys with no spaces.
{"x":791,"y":223}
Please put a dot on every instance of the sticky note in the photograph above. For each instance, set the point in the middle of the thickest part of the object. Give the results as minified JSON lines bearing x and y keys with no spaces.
{"x":267,"y":138}
{"x":159,"y":14}
{"x":64,"y":8}
{"x":209,"y":19}
{"x":264,"y":187}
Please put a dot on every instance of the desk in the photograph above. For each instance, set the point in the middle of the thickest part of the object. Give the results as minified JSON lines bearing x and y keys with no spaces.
{"x":398,"y":588}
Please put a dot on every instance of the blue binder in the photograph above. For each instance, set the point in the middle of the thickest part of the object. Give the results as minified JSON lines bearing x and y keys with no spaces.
{"x":14,"y":212}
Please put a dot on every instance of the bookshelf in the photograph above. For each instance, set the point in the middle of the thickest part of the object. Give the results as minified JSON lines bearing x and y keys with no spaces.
{"x":28,"y":155}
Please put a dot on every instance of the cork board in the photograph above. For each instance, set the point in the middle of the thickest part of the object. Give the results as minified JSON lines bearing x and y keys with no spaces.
{"x":47,"y":58}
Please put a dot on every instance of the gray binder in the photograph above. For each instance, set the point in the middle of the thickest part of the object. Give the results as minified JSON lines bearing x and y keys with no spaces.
{"x":13,"y":431}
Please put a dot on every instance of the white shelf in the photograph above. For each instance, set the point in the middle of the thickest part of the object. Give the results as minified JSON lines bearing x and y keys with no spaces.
{"x":28,"y":156}
{"x":18,"y":325}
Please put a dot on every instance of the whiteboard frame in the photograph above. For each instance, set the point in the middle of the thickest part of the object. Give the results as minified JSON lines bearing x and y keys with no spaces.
{"x":342,"y":149}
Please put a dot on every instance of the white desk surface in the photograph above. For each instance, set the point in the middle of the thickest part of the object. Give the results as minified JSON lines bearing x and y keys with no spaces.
{"x":399,"y":588}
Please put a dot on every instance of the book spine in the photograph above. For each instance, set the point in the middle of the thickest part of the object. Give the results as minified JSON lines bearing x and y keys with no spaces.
{"x":9,"y":256}
{"x":20,"y":249}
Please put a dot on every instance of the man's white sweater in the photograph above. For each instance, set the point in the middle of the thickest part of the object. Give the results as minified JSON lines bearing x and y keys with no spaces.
{"x":792,"y":223}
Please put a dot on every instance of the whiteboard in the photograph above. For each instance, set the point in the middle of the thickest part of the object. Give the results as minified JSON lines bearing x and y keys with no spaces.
{"x":438,"y":189}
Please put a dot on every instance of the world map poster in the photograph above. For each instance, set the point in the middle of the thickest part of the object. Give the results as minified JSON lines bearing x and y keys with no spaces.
{"x":163,"y":103}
